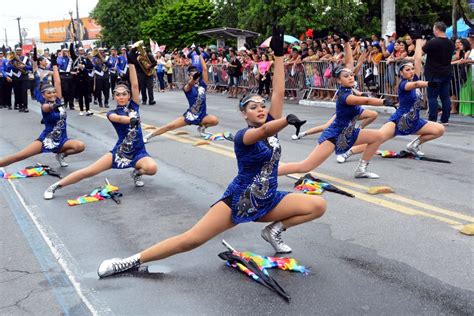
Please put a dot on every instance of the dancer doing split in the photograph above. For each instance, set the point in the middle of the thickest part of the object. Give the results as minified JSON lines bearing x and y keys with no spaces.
{"x":252,"y":195}
{"x":54,"y":136}
{"x":195,"y":91}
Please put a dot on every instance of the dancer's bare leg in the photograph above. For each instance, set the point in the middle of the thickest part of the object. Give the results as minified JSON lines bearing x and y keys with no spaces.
{"x":367,"y":117}
{"x":147,"y":166}
{"x":430,"y":131}
{"x":72,"y":147}
{"x":316,"y":158}
{"x":296,"y":209}
{"x":177,"y":123}
{"x":373,"y":139}
{"x":388,"y":132}
{"x":216,"y":221}
{"x":210,"y":120}
{"x":104,"y":163}
{"x":30,"y":150}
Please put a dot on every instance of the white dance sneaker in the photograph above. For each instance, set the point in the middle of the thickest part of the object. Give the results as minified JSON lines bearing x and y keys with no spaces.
{"x":60,"y":158}
{"x":413,"y":147}
{"x":299,"y":136}
{"x":49,"y":193}
{"x":344,"y":157}
{"x":117,"y":265}
{"x":81,"y":113}
{"x":272,"y":234}
{"x":202,"y":131}
{"x":361,"y":171}
{"x":147,"y":138}
{"x":137,"y":178}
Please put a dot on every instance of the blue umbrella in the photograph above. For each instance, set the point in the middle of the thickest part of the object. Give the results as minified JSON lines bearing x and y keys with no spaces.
{"x":286,"y":38}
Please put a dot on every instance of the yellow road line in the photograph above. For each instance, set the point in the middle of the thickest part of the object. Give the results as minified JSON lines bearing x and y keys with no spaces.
{"x":228,"y":151}
{"x":393,"y":206}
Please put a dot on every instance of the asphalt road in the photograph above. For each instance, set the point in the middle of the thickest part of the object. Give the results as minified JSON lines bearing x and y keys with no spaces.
{"x":396,"y":253}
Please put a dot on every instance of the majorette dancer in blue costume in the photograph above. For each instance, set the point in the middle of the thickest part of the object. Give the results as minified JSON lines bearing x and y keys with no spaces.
{"x":129,"y":151}
{"x":406,"y":120}
{"x":342,"y":134}
{"x":195,"y":91}
{"x":54,"y":136}
{"x":253,"y":194}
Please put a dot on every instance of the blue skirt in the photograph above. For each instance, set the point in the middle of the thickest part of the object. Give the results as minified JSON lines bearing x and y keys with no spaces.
{"x":233,"y":196}
{"x":194,"y":119}
{"x":124,"y":163}
{"x":405,"y":125}
{"x":342,"y":141}
{"x":48,"y":145}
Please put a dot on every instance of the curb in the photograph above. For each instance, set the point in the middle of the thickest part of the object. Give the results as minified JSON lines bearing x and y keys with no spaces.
{"x":332,"y":105}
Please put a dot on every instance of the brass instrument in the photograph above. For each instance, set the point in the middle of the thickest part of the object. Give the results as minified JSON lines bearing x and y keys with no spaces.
{"x":17,"y":63}
{"x":143,"y":59}
{"x":100,"y":60}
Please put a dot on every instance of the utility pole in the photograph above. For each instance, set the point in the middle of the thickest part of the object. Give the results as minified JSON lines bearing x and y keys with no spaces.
{"x":19,"y":30}
{"x":388,"y":17}
{"x":6,"y":38}
{"x":454,"y":19}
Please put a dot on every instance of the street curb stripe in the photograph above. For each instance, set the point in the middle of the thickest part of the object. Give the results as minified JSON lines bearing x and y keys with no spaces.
{"x":59,"y":252}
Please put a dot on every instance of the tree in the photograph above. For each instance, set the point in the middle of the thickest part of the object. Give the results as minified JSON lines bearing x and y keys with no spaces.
{"x":120,"y":19}
{"x":176,"y":24}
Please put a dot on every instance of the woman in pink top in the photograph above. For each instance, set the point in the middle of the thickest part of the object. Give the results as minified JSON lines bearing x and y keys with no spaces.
{"x":264,"y":77}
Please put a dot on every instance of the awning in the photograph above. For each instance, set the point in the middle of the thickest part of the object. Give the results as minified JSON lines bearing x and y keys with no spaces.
{"x":227,"y":32}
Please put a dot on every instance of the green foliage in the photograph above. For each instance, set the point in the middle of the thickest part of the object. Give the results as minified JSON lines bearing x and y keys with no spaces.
{"x":423,"y":12}
{"x":120,"y":19}
{"x":176,"y":24}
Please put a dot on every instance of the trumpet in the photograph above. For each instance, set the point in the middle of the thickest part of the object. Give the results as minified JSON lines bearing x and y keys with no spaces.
{"x":17,"y":63}
{"x":143,"y":59}
{"x":100,"y":60}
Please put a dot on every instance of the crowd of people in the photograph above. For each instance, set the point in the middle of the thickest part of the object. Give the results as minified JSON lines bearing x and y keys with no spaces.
{"x":89,"y":75}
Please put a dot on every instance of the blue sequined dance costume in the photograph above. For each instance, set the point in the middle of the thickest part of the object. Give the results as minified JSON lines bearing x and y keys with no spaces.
{"x":342,"y":132}
{"x":129,"y":148}
{"x":197,"y":104}
{"x":253,"y":192}
{"x":407,"y":117}
{"x":54,"y":134}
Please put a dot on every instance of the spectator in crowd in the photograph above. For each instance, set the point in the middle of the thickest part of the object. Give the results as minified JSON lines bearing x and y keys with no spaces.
{"x":390,"y":45}
{"x":160,"y":71}
{"x":264,"y":76}
{"x":439,"y":52}
{"x":234,"y":70}
{"x":411,"y":45}
{"x":466,"y":95}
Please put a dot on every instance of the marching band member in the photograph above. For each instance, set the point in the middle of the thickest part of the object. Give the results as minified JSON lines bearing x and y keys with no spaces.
{"x":19,"y":66}
{"x":80,"y":77}
{"x":101,"y":74}
{"x":65,"y":67}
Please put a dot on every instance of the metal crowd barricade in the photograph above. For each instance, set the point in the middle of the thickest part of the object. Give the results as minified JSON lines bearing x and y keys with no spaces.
{"x":315,"y":77}
{"x":179,"y":74}
{"x":248,"y":81}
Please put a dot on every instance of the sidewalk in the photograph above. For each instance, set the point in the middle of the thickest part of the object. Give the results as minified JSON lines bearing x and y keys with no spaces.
{"x":382,"y":109}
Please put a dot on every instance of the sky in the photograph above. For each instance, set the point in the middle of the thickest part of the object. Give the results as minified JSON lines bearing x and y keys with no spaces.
{"x":34,"y":11}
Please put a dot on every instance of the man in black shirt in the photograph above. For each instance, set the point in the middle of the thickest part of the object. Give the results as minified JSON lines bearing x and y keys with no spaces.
{"x":439,"y":52}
